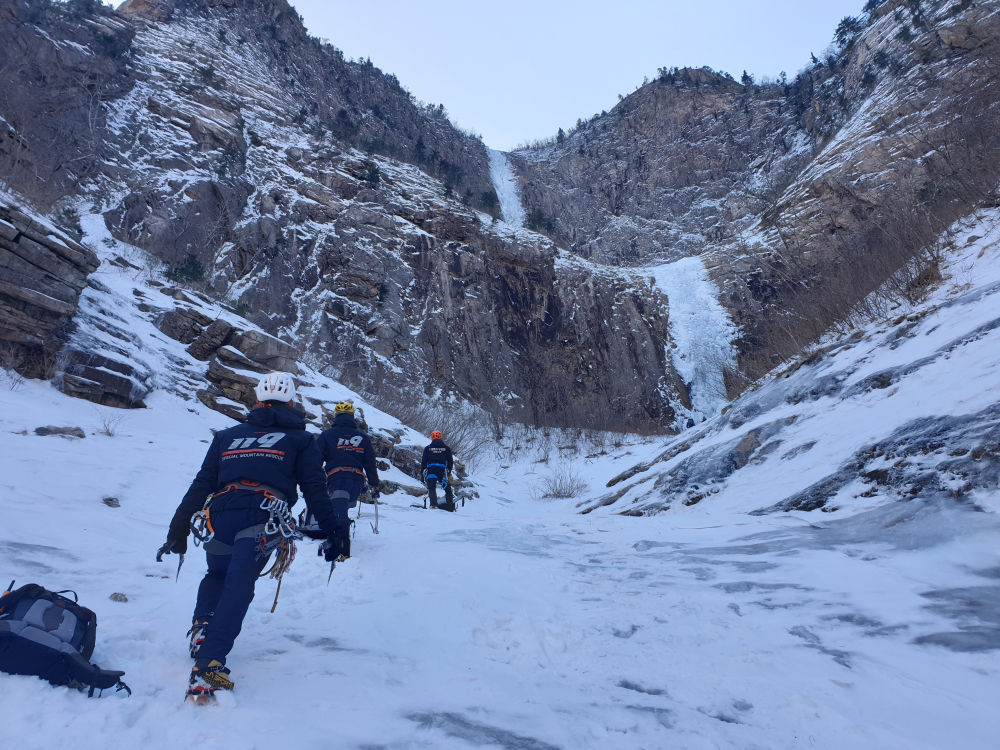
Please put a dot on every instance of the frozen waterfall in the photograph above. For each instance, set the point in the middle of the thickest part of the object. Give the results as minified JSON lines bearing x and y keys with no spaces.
{"x":505,"y":183}
{"x":702,"y":330}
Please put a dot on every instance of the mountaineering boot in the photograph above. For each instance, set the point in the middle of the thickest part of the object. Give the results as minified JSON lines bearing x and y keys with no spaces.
{"x":197,"y":634}
{"x":207,"y":677}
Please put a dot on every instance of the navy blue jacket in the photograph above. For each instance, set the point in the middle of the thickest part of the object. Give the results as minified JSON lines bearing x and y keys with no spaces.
{"x":272,"y":448}
{"x":437,"y":453}
{"x":344,"y":445}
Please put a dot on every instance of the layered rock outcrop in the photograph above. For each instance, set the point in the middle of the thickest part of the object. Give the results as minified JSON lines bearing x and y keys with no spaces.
{"x":42,"y":273}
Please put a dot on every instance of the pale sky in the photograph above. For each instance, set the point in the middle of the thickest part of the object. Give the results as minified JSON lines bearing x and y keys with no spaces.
{"x":521,"y":69}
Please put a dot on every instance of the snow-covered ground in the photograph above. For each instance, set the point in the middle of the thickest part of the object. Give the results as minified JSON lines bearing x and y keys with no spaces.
{"x":521,"y":623}
{"x":701,"y":329}
{"x":505,"y":183}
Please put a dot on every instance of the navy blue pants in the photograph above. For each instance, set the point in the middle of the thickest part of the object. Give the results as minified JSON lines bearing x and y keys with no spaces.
{"x":432,"y":483}
{"x":344,"y":489}
{"x":227,"y":589}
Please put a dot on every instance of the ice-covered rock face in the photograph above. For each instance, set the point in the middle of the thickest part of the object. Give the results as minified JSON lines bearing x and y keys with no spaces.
{"x":802,"y":196}
{"x":235,"y":145}
{"x":904,"y":411}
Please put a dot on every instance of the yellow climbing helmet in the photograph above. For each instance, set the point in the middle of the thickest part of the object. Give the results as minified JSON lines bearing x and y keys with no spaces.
{"x":344,"y":407}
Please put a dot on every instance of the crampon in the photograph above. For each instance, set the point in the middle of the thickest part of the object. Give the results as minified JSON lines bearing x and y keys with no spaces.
{"x":205,"y":680}
{"x":200,"y":694}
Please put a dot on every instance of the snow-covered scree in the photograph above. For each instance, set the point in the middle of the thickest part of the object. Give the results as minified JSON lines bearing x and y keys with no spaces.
{"x":505,"y":183}
{"x":701,"y":329}
{"x":519,"y":623}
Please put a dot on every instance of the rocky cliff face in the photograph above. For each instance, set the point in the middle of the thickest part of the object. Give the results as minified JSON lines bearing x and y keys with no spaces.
{"x":232,"y":156}
{"x":42,"y":273}
{"x":671,"y":169}
{"x":802,"y":196}
{"x":60,"y":64}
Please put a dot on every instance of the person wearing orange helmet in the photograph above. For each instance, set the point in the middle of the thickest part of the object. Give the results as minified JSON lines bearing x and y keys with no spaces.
{"x":436,"y":467}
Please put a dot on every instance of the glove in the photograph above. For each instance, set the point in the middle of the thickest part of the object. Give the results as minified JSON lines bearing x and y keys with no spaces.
{"x":176,"y":544}
{"x":333,"y":548}
{"x":376,"y":493}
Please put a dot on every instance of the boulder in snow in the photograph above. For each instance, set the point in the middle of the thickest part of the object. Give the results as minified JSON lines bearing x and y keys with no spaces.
{"x":65,"y":431}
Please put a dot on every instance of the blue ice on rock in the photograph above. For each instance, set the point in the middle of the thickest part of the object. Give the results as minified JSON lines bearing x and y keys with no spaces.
{"x":701,"y":329}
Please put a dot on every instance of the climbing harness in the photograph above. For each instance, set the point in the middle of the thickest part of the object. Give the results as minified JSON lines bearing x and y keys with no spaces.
{"x":278,"y":534}
{"x":346,"y":468}
{"x":442,"y":481}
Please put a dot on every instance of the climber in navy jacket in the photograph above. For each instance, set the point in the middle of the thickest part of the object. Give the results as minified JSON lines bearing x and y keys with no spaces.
{"x":348,"y":458}
{"x":436,"y":467}
{"x":245,"y":466}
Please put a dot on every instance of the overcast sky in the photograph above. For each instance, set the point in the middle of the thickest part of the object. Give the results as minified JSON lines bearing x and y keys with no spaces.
{"x":521,"y":69}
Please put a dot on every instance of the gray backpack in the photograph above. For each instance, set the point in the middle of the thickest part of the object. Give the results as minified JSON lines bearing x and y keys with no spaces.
{"x":45,"y":634}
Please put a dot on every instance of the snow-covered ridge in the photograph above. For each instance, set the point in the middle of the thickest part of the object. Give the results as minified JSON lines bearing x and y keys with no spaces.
{"x":906,"y":409}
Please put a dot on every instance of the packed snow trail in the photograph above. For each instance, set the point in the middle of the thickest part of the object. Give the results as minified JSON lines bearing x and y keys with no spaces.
{"x":701,"y":329}
{"x":517,"y":624}
{"x":505,"y":183}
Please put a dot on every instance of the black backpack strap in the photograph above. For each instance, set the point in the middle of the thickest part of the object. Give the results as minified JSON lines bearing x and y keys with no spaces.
{"x":83,"y":671}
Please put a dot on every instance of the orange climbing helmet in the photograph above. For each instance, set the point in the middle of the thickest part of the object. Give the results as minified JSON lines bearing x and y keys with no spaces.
{"x":436,"y":435}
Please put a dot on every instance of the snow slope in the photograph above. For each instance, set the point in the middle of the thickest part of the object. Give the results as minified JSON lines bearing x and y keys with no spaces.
{"x":521,"y":624}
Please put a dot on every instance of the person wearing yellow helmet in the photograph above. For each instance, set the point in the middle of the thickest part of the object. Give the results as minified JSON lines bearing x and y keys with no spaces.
{"x":436,"y":467}
{"x":349,"y":459}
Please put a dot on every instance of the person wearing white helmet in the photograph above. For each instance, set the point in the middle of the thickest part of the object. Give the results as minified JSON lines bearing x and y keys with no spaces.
{"x":246,"y":465}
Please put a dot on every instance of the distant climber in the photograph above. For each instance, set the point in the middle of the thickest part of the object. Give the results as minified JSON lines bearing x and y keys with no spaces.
{"x":248,"y":466}
{"x":436,"y":467}
{"x":690,"y":423}
{"x":349,"y":459}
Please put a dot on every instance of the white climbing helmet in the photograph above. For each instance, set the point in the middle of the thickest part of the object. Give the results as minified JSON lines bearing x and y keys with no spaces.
{"x":276,"y":386}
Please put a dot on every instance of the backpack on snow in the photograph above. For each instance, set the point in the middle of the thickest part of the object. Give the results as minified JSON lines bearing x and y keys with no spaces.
{"x":43,"y":633}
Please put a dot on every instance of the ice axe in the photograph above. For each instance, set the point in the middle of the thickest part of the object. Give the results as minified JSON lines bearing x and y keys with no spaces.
{"x":165,"y":550}
{"x":333,"y":563}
